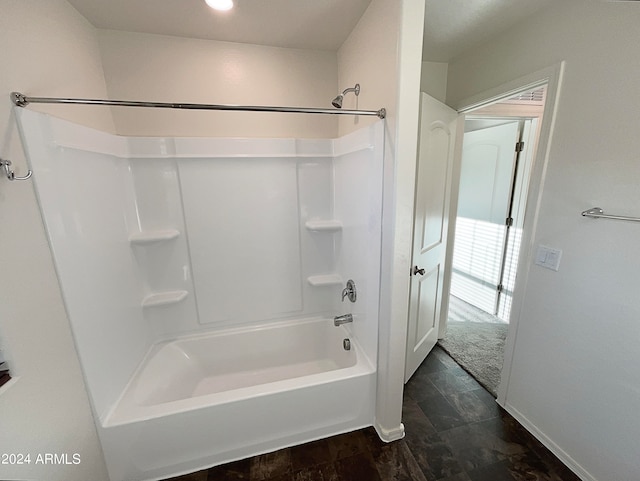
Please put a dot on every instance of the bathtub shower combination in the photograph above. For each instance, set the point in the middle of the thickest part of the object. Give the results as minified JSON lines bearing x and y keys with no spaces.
{"x":202,"y":277}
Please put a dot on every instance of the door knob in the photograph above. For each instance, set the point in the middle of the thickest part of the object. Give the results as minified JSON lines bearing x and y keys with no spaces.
{"x":417,"y":271}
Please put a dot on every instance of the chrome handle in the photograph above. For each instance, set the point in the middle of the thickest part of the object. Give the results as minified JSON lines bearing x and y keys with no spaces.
{"x":349,"y":291}
{"x":417,"y":271}
{"x":6,"y":165}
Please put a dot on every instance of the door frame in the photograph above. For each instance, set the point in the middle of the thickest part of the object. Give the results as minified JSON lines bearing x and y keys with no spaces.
{"x":552,"y":78}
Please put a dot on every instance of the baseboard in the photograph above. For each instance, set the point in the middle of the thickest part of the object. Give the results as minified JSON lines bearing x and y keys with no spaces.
{"x":550,"y":445}
{"x":389,"y":435}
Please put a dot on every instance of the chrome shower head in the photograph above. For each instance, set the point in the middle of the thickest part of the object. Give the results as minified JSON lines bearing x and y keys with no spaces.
{"x":337,"y":102}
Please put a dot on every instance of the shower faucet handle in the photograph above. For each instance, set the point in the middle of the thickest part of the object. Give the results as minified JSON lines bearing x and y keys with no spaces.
{"x":349,"y":291}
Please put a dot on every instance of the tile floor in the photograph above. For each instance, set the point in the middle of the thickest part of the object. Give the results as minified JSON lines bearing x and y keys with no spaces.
{"x":454,"y":432}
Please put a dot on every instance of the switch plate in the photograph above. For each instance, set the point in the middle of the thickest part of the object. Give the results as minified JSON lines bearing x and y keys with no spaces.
{"x":548,"y":257}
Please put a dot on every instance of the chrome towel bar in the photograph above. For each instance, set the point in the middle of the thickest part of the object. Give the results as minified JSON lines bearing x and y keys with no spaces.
{"x":597,"y":212}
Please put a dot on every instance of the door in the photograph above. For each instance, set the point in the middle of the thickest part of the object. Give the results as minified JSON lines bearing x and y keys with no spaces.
{"x":433,"y":185}
{"x":487,"y":177}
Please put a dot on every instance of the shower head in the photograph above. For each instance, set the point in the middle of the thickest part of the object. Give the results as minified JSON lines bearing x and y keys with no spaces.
{"x":337,"y":102}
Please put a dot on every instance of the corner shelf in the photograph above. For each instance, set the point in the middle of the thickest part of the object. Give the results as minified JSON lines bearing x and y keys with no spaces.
{"x":325,"y":280}
{"x":323,"y":225}
{"x":152,"y":237}
{"x":164,"y":298}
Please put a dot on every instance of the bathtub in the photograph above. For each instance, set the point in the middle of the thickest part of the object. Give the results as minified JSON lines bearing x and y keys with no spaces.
{"x":209,"y":399}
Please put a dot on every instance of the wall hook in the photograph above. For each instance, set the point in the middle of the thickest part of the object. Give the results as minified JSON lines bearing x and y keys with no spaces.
{"x":6,"y":165}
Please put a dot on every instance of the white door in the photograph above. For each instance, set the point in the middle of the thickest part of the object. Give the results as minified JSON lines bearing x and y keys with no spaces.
{"x":433,"y":186}
{"x":486,"y":180}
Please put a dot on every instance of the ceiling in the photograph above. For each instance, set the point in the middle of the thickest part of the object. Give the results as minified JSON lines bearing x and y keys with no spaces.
{"x":451,"y":26}
{"x":305,"y":24}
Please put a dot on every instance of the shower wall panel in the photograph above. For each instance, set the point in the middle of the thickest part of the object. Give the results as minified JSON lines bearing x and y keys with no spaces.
{"x":157,"y":238}
{"x":86,"y":195}
{"x":244,"y":237}
{"x":358,"y":167}
{"x":319,"y":249}
{"x":247,"y":254}
{"x":164,"y":265}
{"x":246,"y":205}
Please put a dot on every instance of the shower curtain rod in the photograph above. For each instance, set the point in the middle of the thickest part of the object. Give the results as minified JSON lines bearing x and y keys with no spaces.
{"x":22,"y":101}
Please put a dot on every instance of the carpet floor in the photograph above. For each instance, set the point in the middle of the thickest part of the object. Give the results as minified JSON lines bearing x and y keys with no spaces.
{"x":475,"y":340}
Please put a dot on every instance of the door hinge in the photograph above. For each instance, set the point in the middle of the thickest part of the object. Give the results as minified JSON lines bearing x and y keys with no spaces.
{"x":509,"y":222}
{"x":520,"y":146}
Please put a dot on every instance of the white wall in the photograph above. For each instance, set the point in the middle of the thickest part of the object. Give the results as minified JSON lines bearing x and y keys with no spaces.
{"x":377,"y":31}
{"x":434,"y":79}
{"x":574,"y":378}
{"x":383,"y":54}
{"x":47,"y":49}
{"x":174,"y":69}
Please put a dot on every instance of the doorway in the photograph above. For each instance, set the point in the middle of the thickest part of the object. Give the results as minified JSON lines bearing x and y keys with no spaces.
{"x":499,"y":147}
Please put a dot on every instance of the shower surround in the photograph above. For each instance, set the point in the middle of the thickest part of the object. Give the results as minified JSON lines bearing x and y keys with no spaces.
{"x":201,"y":277}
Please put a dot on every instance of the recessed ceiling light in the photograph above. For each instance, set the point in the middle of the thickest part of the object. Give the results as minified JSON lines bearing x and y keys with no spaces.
{"x":220,"y":4}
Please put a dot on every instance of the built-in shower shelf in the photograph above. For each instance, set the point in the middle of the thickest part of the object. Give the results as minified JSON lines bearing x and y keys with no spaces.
{"x":164,"y":298}
{"x":325,"y":280}
{"x":323,"y":225}
{"x":151,"y":237}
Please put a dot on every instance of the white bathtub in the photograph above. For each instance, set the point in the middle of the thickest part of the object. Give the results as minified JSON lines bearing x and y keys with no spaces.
{"x":209,"y":399}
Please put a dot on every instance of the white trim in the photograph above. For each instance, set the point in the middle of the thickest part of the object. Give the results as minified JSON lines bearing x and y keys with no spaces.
{"x":562,"y":455}
{"x":397,"y":220}
{"x":511,"y":88}
{"x":552,"y":76}
{"x":389,"y":435}
{"x":8,"y":385}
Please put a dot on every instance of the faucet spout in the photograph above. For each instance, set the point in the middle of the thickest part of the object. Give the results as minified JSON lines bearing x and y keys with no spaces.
{"x":339,"y":320}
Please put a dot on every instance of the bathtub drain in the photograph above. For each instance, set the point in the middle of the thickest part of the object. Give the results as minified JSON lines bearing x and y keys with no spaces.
{"x":346,"y":343}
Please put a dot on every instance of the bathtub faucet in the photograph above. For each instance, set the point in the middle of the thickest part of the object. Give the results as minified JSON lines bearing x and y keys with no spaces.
{"x":338,"y":320}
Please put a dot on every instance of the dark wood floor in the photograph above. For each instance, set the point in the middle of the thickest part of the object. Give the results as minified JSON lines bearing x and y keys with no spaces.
{"x":454,"y":432}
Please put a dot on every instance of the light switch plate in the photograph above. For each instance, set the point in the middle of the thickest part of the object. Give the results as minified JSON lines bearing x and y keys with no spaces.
{"x":548,"y":257}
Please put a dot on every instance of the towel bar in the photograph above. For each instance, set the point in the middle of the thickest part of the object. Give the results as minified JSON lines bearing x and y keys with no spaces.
{"x":597,"y":212}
